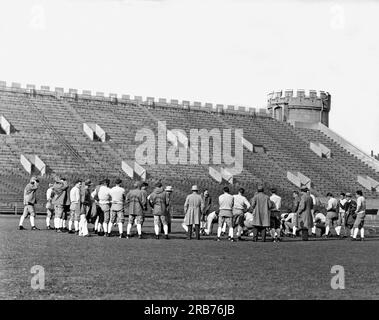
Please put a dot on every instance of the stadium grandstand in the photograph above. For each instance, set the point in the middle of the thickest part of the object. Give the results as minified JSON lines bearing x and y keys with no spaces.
{"x":286,"y":145}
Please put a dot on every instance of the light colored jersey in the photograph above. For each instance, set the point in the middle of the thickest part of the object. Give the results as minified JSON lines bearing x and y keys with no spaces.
{"x":342,"y":203}
{"x":117,"y":194}
{"x":49,"y":193}
{"x":277,"y":200}
{"x":361,"y":204}
{"x":103,"y":195}
{"x":321,"y":217}
{"x":332,"y":204}
{"x":226,"y":201}
{"x":240,"y":202}
{"x":75,"y":195}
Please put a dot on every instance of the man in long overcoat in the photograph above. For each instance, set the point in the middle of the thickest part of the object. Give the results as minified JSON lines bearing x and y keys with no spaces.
{"x":304,"y":213}
{"x":261,"y":220}
{"x":193,"y":208}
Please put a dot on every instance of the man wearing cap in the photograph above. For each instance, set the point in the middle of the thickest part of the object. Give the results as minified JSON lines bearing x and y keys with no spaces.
{"x":59,"y":201}
{"x":75,"y":207}
{"x":135,"y":203}
{"x":193,"y":207}
{"x":331,"y":214}
{"x":49,"y":206}
{"x":226,"y":203}
{"x":360,"y":216}
{"x":117,"y":209}
{"x":261,"y":220}
{"x":102,"y":196}
{"x":29,"y":201}
{"x":159,"y":201}
{"x":240,"y":206}
{"x":304,"y":214}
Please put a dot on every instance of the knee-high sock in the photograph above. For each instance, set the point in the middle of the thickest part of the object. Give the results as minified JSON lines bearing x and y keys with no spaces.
{"x":47,"y":222}
{"x":128,"y":228}
{"x":338,"y":230}
{"x":120,"y":228}
{"x":239,"y":231}
{"x":294,"y":229}
{"x":355,"y":232}
{"x":110,"y":225}
{"x":224,"y":227}
{"x":96,"y":223}
{"x":76,"y":225}
{"x":139,"y":228}
{"x":85,"y":227}
{"x":327,"y":230}
{"x":219,"y":230}
{"x":362,"y":232}
{"x":351,"y":232}
{"x":63,"y":223}
{"x":99,"y":227}
{"x":165,"y":229}
{"x":313,"y":229}
{"x":69,"y":225}
{"x":56,"y":223}
{"x":21,"y":221}
{"x":156,"y":229}
{"x":105,"y":227}
{"x":32,"y":221}
{"x":185,"y":227}
{"x":231,"y":232}
{"x":80,"y":226}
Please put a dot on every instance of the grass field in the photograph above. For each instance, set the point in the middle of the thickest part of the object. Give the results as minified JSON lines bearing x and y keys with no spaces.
{"x":113,"y":268}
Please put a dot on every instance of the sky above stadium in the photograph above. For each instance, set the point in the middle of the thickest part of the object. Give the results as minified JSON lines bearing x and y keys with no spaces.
{"x":219,"y":51}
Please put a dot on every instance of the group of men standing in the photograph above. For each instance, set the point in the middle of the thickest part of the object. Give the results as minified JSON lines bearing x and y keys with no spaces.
{"x":107,"y":207}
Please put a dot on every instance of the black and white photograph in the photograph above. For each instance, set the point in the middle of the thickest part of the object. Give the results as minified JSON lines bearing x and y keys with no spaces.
{"x":169,"y":151}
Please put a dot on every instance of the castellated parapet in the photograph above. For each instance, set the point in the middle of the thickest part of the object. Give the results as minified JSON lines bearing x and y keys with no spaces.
{"x":286,"y":106}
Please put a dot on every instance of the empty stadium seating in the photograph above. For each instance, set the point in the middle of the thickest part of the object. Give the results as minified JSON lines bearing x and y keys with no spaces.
{"x":50,"y":125}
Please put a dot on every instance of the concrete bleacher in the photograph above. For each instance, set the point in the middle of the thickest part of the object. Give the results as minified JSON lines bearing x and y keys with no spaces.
{"x":50,"y":124}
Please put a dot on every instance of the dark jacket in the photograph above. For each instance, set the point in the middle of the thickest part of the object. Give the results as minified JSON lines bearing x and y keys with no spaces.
{"x":350,"y":215}
{"x":159,"y":200}
{"x":304,"y":212}
{"x":261,"y":204}
{"x":135,"y":202}
{"x":60,"y":193}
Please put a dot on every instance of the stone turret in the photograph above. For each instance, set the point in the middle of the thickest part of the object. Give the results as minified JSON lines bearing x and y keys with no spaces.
{"x":311,"y":108}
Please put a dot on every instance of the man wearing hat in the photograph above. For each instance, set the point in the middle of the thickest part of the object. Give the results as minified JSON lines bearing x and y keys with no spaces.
{"x":261,"y":220}
{"x":117,"y":209}
{"x":193,"y":207}
{"x":168,"y":208}
{"x":135,"y":203}
{"x":159,"y":201}
{"x":304,"y":214}
{"x":60,"y":199}
{"x":49,"y":206}
{"x":29,"y":201}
